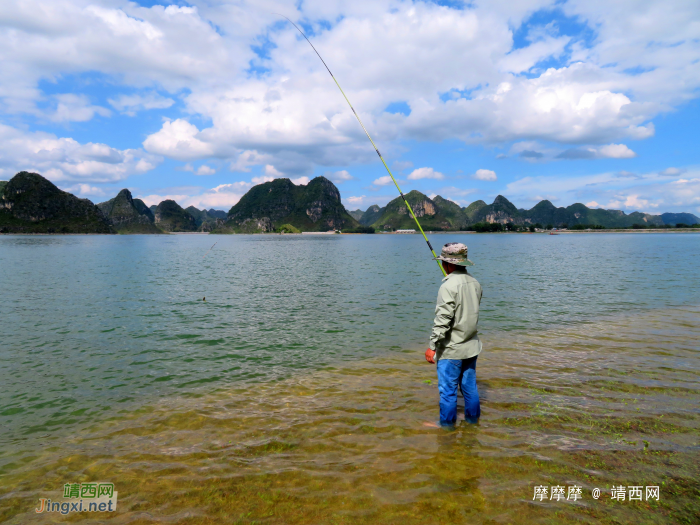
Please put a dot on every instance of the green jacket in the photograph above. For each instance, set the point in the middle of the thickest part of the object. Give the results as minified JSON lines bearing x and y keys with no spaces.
{"x":454,"y":333}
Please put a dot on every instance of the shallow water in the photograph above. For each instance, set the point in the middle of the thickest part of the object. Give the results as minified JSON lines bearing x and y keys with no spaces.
{"x":296,"y":392}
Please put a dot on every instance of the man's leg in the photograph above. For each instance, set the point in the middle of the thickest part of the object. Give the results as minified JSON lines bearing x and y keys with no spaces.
{"x":472,"y":408}
{"x":448,"y":371}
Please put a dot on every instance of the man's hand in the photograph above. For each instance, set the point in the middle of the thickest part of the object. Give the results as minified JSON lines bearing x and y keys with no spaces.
{"x":430,"y":356}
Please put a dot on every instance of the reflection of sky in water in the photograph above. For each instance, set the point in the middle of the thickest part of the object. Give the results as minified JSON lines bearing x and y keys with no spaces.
{"x":92,"y":324}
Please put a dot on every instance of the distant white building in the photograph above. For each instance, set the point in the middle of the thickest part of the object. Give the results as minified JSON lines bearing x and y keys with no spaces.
{"x":405,"y":231}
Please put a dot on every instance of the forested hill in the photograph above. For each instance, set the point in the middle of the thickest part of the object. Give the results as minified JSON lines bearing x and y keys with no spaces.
{"x":442,"y":214}
{"x":281,"y":203}
{"x":129,"y":215}
{"x":29,"y":203}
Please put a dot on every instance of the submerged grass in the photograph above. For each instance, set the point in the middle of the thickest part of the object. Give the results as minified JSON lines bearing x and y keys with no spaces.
{"x":349,"y":444}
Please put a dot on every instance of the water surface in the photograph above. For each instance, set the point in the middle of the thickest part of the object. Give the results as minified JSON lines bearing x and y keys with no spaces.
{"x":299,"y":382}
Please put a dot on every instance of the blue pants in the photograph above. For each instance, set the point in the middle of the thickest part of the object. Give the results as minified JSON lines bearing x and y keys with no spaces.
{"x":451,"y":374}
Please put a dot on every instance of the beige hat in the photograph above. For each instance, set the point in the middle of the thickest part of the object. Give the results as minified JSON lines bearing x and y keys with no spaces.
{"x":455,"y":253}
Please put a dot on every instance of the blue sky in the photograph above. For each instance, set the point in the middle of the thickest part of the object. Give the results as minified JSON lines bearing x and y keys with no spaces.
{"x":572,"y":101}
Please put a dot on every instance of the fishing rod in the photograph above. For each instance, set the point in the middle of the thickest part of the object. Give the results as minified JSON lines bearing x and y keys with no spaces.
{"x":373,"y":144}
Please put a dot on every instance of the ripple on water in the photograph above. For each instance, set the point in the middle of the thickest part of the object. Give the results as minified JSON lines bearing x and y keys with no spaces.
{"x":569,"y":406}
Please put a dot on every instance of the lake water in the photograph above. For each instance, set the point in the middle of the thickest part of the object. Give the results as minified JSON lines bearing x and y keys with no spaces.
{"x":297,"y":393}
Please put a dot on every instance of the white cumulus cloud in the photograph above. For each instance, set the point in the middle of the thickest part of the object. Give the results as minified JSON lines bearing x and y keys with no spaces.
{"x":179,"y":140}
{"x":615,"y":151}
{"x":456,"y":69}
{"x":131,"y":104}
{"x":482,"y":174}
{"x":356,"y":201}
{"x":262,"y":179}
{"x":338,"y":176}
{"x":425,"y":173}
{"x":70,"y":107}
{"x":632,"y":202}
{"x":382,"y":181}
{"x":86,"y":191}
{"x":205,"y":170}
{"x":202,"y":170}
{"x":671,"y":172}
{"x":65,"y":159}
{"x":363,"y":202}
{"x":271,"y":171}
{"x":611,"y":151}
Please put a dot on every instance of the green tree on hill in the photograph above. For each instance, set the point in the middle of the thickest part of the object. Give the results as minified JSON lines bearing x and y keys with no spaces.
{"x":487,"y":227}
{"x":359,"y":229}
{"x":287,"y":228}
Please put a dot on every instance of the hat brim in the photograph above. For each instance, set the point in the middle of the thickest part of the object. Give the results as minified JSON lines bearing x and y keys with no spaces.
{"x":456,"y":262}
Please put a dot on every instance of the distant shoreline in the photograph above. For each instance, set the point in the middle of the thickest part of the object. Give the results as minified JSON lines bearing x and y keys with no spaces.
{"x":563,"y":232}
{"x":630,"y":230}
{"x":557,"y":232}
{"x":655,"y":230}
{"x":60,"y":213}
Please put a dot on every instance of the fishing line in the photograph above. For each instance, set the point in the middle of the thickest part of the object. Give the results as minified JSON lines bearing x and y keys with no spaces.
{"x":373,"y":144}
{"x":210,"y":249}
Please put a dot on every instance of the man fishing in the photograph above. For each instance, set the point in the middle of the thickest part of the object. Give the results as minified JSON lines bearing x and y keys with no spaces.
{"x":454,"y":343}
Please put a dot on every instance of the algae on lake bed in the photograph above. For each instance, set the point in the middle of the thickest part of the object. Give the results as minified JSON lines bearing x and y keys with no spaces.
{"x":596,"y":405}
